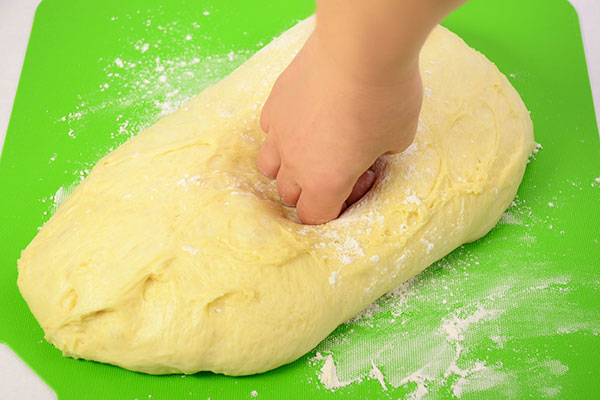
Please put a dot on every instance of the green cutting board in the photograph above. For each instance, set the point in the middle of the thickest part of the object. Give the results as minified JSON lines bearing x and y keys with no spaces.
{"x":513,"y":315}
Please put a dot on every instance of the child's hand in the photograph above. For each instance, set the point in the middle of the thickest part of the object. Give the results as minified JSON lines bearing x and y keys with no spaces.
{"x":352,"y":94}
{"x":327,"y":124}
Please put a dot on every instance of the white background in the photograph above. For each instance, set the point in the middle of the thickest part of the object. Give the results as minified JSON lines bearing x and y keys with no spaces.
{"x":17,"y":381}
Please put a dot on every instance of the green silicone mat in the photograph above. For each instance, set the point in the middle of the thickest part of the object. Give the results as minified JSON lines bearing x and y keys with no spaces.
{"x":514,"y":315}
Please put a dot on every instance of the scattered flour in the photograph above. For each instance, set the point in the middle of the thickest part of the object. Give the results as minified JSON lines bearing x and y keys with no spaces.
{"x":332,"y":277}
{"x":510,"y":219}
{"x":426,"y":337}
{"x":328,"y":375}
{"x":413,"y":199}
{"x":140,"y":87}
{"x":428,"y":245}
{"x":190,"y":250}
{"x":375,"y":373}
{"x":61,"y":194}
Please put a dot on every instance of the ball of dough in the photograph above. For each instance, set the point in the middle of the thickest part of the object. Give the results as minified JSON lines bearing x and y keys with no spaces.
{"x":175,"y":255}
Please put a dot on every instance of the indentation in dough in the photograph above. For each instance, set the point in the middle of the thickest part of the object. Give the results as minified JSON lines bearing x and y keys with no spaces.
{"x":230,"y":299}
{"x":472,"y":135}
{"x":154,"y":285}
{"x":77,"y":344}
{"x":187,"y":146}
{"x":149,"y":287}
{"x":95,"y":315}
{"x":78,"y":323}
{"x":68,"y":301}
{"x":216,"y":162}
{"x":412,"y":217}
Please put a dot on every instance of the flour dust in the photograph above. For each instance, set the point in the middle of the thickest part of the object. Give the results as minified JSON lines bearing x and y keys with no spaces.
{"x":146,"y":78}
{"x":463,"y":328}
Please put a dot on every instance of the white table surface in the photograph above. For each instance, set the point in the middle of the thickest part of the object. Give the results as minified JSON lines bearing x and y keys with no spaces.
{"x":17,"y":381}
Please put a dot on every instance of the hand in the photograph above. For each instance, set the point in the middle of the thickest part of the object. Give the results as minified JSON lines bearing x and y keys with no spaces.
{"x":326,"y":125}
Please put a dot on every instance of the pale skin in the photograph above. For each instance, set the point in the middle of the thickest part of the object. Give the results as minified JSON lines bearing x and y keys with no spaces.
{"x":352,"y":94}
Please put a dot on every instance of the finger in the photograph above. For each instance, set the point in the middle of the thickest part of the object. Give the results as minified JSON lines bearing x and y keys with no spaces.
{"x":404,"y":140}
{"x":400,"y":147}
{"x":268,"y":157}
{"x":317,"y":205}
{"x":361,"y":187}
{"x":288,"y":189}
{"x":344,"y":207}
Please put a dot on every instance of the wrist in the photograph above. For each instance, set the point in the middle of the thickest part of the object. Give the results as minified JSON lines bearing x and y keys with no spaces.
{"x":366,"y":64}
{"x":366,"y":41}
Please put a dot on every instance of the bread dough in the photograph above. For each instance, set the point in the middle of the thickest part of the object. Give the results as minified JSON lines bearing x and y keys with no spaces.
{"x":175,"y":256}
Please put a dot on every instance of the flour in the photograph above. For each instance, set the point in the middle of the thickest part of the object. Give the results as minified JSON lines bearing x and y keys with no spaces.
{"x":60,"y":196}
{"x":190,"y":250}
{"x":157,"y":79}
{"x":333,"y":277}
{"x":413,"y":199}
{"x":139,"y":88}
{"x":425,"y":337}
{"x":455,"y":327}
{"x":347,"y":248}
{"x":428,"y":245}
{"x":510,"y":219}
{"x":375,"y":373}
{"x":458,"y":387}
{"x":420,"y":379}
{"x":328,"y":376}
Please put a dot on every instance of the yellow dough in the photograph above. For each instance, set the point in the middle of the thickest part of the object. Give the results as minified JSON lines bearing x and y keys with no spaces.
{"x":175,"y":255}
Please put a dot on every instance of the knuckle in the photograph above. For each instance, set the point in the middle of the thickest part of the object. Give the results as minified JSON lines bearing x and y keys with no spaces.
{"x":330,"y":183}
{"x":291,"y":158}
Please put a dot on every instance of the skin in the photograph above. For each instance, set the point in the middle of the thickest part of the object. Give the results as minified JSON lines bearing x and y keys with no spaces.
{"x":352,"y":94}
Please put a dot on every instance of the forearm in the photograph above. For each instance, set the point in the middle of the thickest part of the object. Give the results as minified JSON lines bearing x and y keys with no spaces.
{"x":377,"y":40}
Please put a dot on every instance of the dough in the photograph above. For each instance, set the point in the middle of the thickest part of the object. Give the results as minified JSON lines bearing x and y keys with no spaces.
{"x":175,"y":256}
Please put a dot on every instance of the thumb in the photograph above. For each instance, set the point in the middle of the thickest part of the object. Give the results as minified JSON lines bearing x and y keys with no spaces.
{"x":361,"y":187}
